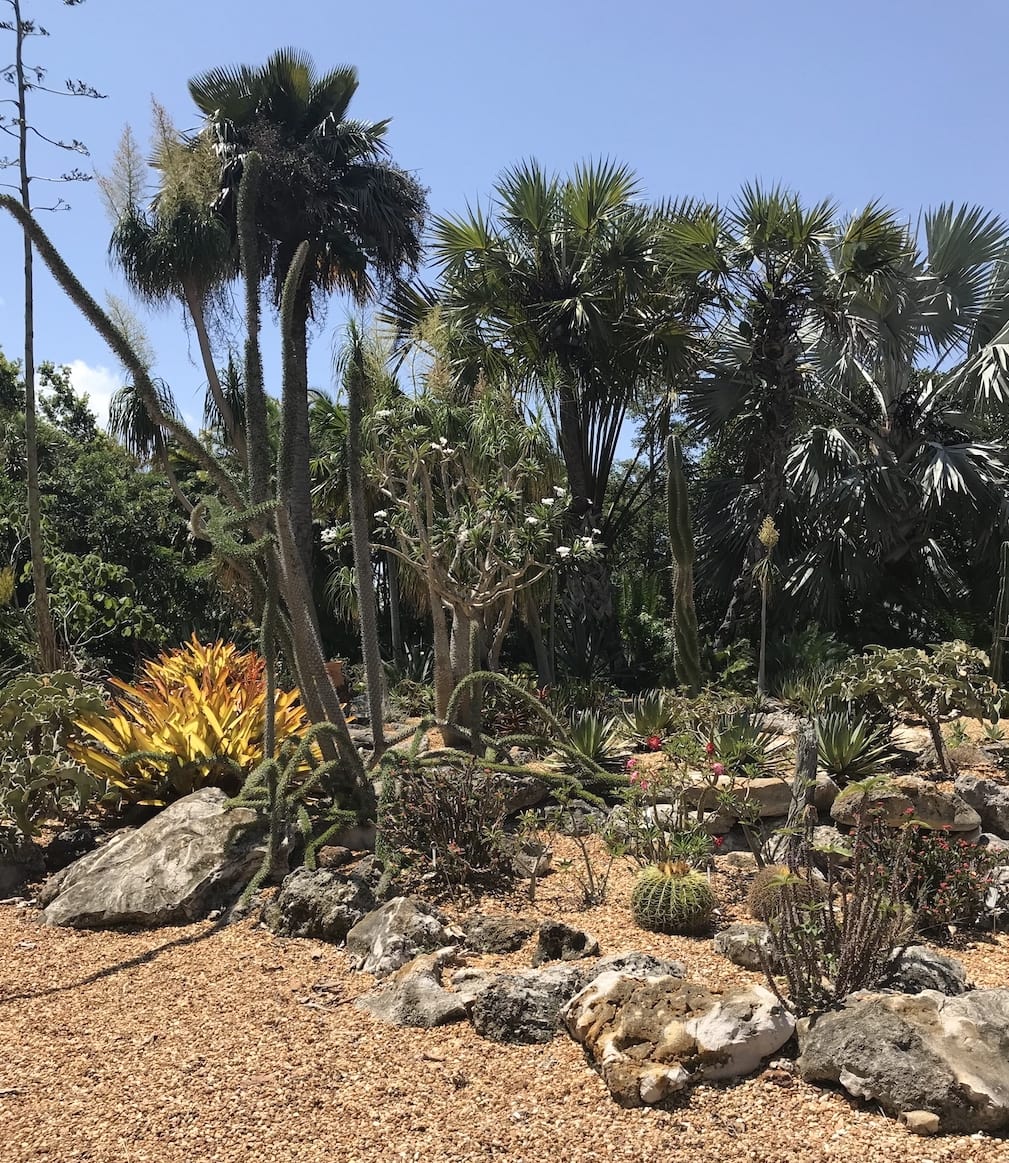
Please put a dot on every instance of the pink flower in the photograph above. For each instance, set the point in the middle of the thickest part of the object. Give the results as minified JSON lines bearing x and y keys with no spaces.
{"x":718,"y":769}
{"x":631,"y":764}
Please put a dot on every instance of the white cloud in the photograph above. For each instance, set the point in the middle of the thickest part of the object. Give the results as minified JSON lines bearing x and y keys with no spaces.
{"x":99,"y":384}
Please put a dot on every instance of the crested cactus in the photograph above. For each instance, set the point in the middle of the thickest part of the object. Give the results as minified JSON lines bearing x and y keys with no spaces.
{"x":672,"y":898}
{"x":686,"y":646}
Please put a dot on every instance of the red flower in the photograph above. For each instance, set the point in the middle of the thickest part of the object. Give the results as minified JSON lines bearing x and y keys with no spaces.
{"x":653,"y":743}
{"x":718,"y":841}
{"x":709,"y":748}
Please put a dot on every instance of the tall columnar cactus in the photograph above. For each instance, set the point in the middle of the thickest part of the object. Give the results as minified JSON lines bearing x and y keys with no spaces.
{"x":1001,"y":616}
{"x":686,"y":647}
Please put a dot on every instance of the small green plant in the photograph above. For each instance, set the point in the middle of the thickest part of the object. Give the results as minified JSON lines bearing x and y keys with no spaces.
{"x":652,"y":715}
{"x":745,"y":749}
{"x":842,"y":937}
{"x":39,"y":779}
{"x":994,"y":733}
{"x":956,"y":734}
{"x":657,"y":825}
{"x":595,"y":737}
{"x":849,"y":749}
{"x":672,"y":898}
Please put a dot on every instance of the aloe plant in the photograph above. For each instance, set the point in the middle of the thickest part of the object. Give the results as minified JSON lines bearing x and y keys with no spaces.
{"x":848,"y":749}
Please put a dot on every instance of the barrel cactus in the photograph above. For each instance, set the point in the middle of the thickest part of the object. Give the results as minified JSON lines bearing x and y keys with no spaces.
{"x":672,"y":898}
{"x":766,"y":892}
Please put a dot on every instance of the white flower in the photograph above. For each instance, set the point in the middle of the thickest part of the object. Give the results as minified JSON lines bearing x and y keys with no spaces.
{"x":596,"y":532}
{"x":559,"y":490}
{"x":384,"y":414}
{"x":381,"y":514}
{"x":532,"y":520}
{"x":328,"y":536}
{"x":549,"y":501}
{"x":563,"y":550}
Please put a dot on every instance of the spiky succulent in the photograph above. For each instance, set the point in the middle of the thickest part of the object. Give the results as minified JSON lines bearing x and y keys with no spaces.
{"x":672,"y":898}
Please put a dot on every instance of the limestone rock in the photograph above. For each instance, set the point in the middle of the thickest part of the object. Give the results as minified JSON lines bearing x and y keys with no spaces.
{"x":497,"y":934}
{"x":654,"y":1036}
{"x":926,"y":1052}
{"x":390,"y":936}
{"x":415,"y":996}
{"x":321,"y":904}
{"x":909,"y":795}
{"x":635,"y":964}
{"x":743,"y":945}
{"x":989,"y":798}
{"x":522,"y":792}
{"x":195,"y":856}
{"x":560,"y":942}
{"x":918,"y":968}
{"x":824,"y":792}
{"x":518,"y":1007}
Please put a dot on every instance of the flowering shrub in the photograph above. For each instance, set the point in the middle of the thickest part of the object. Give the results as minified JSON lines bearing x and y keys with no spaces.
{"x":946,"y":880}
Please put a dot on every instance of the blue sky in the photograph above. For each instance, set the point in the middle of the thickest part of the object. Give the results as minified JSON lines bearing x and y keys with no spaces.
{"x":860,"y":99}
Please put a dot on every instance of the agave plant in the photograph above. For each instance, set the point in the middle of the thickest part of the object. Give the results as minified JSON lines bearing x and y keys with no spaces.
{"x":747,"y":749}
{"x":597,"y":738}
{"x":194,"y":719}
{"x":850,"y":749}
{"x":651,"y":715}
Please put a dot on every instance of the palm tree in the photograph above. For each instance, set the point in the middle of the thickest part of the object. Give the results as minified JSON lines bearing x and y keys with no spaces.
{"x":561,"y":284}
{"x":784,"y":285}
{"x":176,"y":249}
{"x":327,"y":181}
{"x":904,"y":490}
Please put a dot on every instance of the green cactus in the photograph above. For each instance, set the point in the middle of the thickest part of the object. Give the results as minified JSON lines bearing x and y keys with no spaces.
{"x":686,"y":646}
{"x":672,"y":898}
{"x":1001,"y":616}
{"x":766,"y":895}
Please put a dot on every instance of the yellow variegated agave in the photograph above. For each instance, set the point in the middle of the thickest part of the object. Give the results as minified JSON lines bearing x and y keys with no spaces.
{"x":194,"y":719}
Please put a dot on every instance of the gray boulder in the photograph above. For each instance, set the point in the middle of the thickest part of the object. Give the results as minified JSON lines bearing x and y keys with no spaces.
{"x":415,"y":996}
{"x":497,"y":934}
{"x":195,"y":856}
{"x":926,"y":1052}
{"x":320,"y":903}
{"x":21,"y":862}
{"x":560,"y":942}
{"x":390,"y":936}
{"x":989,"y":798}
{"x":521,"y":1008}
{"x":743,"y":945}
{"x":918,"y":968}
{"x":634,"y":965}
{"x":652,"y":1037}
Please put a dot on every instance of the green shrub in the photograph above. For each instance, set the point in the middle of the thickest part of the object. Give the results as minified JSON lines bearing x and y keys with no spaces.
{"x":770,"y":887}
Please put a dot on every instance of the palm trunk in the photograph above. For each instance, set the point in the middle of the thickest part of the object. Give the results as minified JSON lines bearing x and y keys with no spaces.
{"x":294,"y":475}
{"x":198,"y":316}
{"x":43,"y":617}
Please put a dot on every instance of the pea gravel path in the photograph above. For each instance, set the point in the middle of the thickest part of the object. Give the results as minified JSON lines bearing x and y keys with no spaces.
{"x":226,"y":1044}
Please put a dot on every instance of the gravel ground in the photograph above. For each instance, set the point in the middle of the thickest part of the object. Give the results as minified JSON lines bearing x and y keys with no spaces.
{"x":217,"y":1044}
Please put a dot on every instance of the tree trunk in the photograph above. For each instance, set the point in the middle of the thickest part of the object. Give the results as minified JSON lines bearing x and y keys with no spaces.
{"x":364,"y":574}
{"x":531,"y":617}
{"x":462,"y":644}
{"x":442,"y":654}
{"x":48,"y":657}
{"x":294,"y":471}
{"x":198,"y":316}
{"x":395,"y":612}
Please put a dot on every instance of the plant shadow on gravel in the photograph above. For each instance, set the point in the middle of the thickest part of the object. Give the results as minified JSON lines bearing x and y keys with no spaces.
{"x":119,"y":967}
